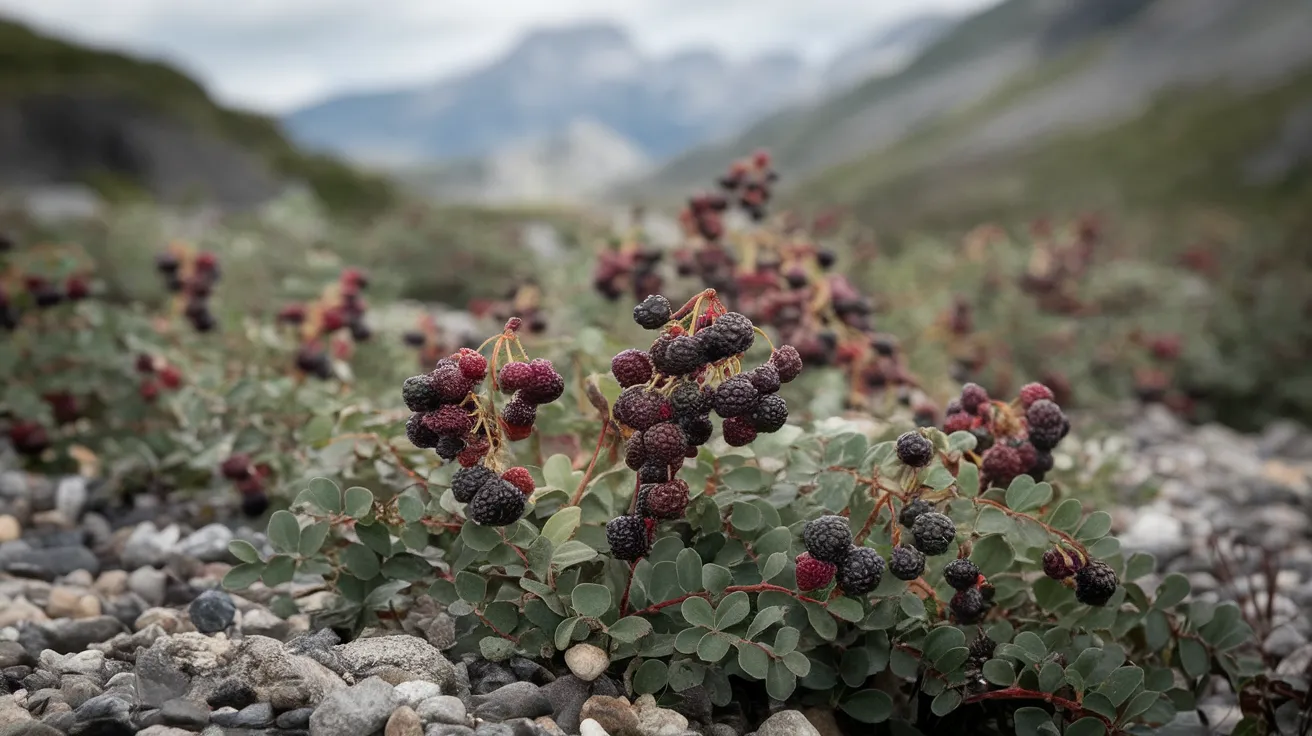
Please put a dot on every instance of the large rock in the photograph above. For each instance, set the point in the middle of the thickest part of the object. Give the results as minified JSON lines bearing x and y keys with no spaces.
{"x":567,"y":696}
{"x":787,"y":723}
{"x":48,"y":563}
{"x":286,"y":680}
{"x":410,"y":654}
{"x":159,"y":679}
{"x":615,"y":715}
{"x":76,"y":635}
{"x":361,"y":709}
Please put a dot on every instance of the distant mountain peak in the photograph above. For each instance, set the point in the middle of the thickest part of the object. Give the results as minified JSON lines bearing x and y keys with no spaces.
{"x":598,"y":35}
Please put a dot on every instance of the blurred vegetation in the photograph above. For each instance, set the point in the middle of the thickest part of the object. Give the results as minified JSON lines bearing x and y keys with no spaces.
{"x":32,"y":63}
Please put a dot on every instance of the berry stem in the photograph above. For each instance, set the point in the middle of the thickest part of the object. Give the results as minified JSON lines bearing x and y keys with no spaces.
{"x":624,"y":600}
{"x":577,"y":498}
{"x":1020,"y":693}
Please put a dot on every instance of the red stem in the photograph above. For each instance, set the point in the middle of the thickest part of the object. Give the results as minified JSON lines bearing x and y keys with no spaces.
{"x":1020,"y":693}
{"x":624,"y":601}
{"x":583,"y":484}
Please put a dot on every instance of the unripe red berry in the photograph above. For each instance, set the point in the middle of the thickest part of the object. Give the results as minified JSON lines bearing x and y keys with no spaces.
{"x":520,"y":478}
{"x":813,"y":574}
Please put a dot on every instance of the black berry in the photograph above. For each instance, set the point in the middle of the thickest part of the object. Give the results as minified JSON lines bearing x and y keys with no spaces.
{"x":467,"y":481}
{"x":906,"y":562}
{"x":961,"y":574}
{"x":915,"y":450}
{"x":627,"y":536}
{"x":933,"y":533}
{"x":448,"y":448}
{"x":968,"y":606}
{"x":861,"y":572}
{"x":788,"y":362}
{"x":497,"y":503}
{"x":828,"y":538}
{"x":419,"y":434}
{"x":735,"y":397}
{"x":653,"y":312}
{"x":912,"y":511}
{"x":696,"y":429}
{"x":770,"y":414}
{"x":683,"y":355}
{"x":765,"y":378}
{"x":1095,"y":583}
{"x":664,"y":442}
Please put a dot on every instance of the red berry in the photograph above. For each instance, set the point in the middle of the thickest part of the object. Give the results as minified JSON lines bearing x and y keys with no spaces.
{"x":449,"y":384}
{"x":149,"y":390}
{"x":973,"y":396}
{"x":664,"y":442}
{"x":333,"y":320}
{"x":472,"y":365}
{"x":236,"y":467}
{"x":959,"y":422}
{"x":292,"y":314}
{"x":170,"y":376}
{"x":739,"y":431}
{"x":77,"y":288}
{"x":813,"y":574}
{"x":631,"y":367}
{"x":514,"y":376}
{"x":206,"y":261}
{"x":516,"y":432}
{"x":545,"y":385}
{"x":1001,"y":464}
{"x":475,"y":450}
{"x":449,"y":421}
{"x":520,"y":478}
{"x":787,"y":361}
{"x":1032,"y":392}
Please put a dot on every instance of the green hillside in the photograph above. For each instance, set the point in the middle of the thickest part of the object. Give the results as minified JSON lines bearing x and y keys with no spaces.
{"x":35,"y":64}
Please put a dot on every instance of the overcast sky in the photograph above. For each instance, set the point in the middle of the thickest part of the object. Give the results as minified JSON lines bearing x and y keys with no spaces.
{"x":274,"y":55}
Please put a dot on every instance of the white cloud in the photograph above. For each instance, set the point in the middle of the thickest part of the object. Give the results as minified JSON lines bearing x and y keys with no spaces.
{"x":274,"y":55}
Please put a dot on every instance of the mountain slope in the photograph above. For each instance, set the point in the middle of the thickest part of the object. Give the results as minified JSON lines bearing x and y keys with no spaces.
{"x":1017,"y":72}
{"x":69,"y":113}
{"x":551,"y":78}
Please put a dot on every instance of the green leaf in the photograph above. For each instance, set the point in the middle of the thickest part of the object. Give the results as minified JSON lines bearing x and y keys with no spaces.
{"x":312,"y":538}
{"x":629,"y":629}
{"x":651,"y":676}
{"x":278,"y":570}
{"x":496,"y":649}
{"x":1121,"y":684}
{"x":686,"y":673}
{"x":785,"y":640}
{"x":992,"y":554}
{"x":376,"y":537}
{"x":324,"y":493}
{"x":698,"y":612}
{"x":409,"y":508}
{"x":1097,"y":525}
{"x":745,"y":517}
{"x":753,"y":660}
{"x":834,"y":490}
{"x":379,"y":597}
{"x":733,"y":609}
{"x":968,"y":479}
{"x":780,"y":682}
{"x":853,"y":668}
{"x":999,"y":672}
{"x":243,"y":576}
{"x":472,"y":587}
{"x":938,"y":478}
{"x":558,"y":472}
{"x":1025,"y":495}
{"x":591,"y":600}
{"x":407,"y":567}
{"x":912,"y":606}
{"x":765,"y":618}
{"x":1139,"y":704}
{"x":848,"y":609}
{"x":1031,"y":721}
{"x":561,"y":526}
{"x":565,"y":633}
{"x":868,"y":706}
{"x":952,"y":659}
{"x":774,"y":564}
{"x":572,"y":553}
{"x":713,"y":646}
{"x":746,"y":478}
{"x":479,"y":538}
{"x":946,"y":702}
{"x":777,"y":540}
{"x":689,"y":565}
{"x":940,"y":640}
{"x":243,"y":550}
{"x":715,"y":578}
{"x":824,"y":625}
{"x":1193,"y":657}
{"x":1174,"y":588}
{"x":1089,"y":726}
{"x":1066,"y":515}
{"x":1032,"y":644}
{"x":360,"y":561}
{"x":1139,"y":564}
{"x":284,"y":532}
{"x":797,"y":663}
{"x":1051,"y":676}
{"x":358,"y":502}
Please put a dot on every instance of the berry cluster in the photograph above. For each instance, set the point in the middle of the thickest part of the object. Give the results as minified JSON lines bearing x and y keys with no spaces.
{"x":1013,"y":439}
{"x":627,"y":265}
{"x":1094,"y":581}
{"x":338,"y":311}
{"x":41,"y":291}
{"x":1156,"y":378}
{"x":191,"y":275}
{"x":461,"y":423}
{"x":251,"y":481}
{"x":429,"y":341}
{"x":693,"y":368}
{"x":29,"y":438}
{"x":750,"y":182}
{"x":156,"y":374}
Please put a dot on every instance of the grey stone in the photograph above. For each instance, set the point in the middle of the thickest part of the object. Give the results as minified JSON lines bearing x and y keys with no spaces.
{"x":104,"y":714}
{"x":417,"y":691}
{"x":77,"y":635}
{"x":404,"y":722}
{"x":231,"y":693}
{"x":212,"y":611}
{"x":721,"y":729}
{"x":446,"y":729}
{"x":1283,"y":641}
{"x":158,"y":677}
{"x":295,"y":719}
{"x":12,"y":654}
{"x":90,"y":662}
{"x":42,"y":700}
{"x":78,"y":689}
{"x":286,"y":680}
{"x":71,"y":496}
{"x":207,"y":544}
{"x":30,"y":728}
{"x":567,"y":696}
{"x":262,"y":622}
{"x":485,"y":676}
{"x":62,"y":721}
{"x":526,"y":670}
{"x":516,"y":700}
{"x":162,"y":730}
{"x":442,"y":709}
{"x":411,"y":654}
{"x":787,"y":723}
{"x":148,"y":546}
{"x":48,"y":563}
{"x":186,"y":713}
{"x":149,"y":584}
{"x":360,"y":709}
{"x":586,"y":661}
{"x":256,"y":715}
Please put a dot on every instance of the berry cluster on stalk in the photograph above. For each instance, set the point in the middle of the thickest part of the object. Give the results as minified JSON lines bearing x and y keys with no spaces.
{"x":191,"y":276}
{"x":692,"y":369}
{"x":338,"y":312}
{"x":157,"y":375}
{"x":429,"y":341}
{"x":1011,"y":439}
{"x":458,"y":419}
{"x":524,"y":300}
{"x":627,"y":266}
{"x":37,"y":290}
